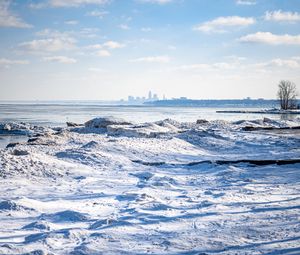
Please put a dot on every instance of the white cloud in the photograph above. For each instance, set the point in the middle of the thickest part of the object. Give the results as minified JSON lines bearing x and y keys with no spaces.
{"x":75,"y":3}
{"x":281,"y":16}
{"x":221,"y":24}
{"x":291,"y":63}
{"x":48,"y":45}
{"x":154,"y":59}
{"x":89,"y":32}
{"x":98,"y":14}
{"x":269,"y":38}
{"x":103,"y":53}
{"x":155,"y":1}
{"x":9,"y":19}
{"x":146,"y":29}
{"x":124,"y":26}
{"x":103,"y":49}
{"x":52,"y":41}
{"x":113,"y":45}
{"x":60,"y":59}
{"x":71,"y":22}
{"x":238,"y":64}
{"x":50,"y":33}
{"x":67,"y":3}
{"x":246,"y":2}
{"x":37,"y":6}
{"x":8,"y":62}
{"x":209,"y":67}
{"x":95,"y":46}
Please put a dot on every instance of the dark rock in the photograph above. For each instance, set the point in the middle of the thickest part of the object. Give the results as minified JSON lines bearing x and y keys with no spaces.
{"x":65,"y":216}
{"x":267,"y":120}
{"x":31,"y":140}
{"x":73,"y":124}
{"x":20,"y":152}
{"x":37,"y":225}
{"x":248,"y":128}
{"x":9,"y":205}
{"x":202,"y":121}
{"x":12,"y":145}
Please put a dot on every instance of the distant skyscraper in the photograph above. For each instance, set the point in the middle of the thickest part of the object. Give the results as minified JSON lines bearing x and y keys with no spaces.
{"x":150,"y":95}
{"x":130,"y":98}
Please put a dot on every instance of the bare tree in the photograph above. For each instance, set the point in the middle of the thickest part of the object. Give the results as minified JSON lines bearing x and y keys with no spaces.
{"x":287,"y":93}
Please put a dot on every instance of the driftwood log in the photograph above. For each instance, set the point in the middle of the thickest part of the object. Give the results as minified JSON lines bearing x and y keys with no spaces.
{"x":251,"y":128}
{"x":225,"y":162}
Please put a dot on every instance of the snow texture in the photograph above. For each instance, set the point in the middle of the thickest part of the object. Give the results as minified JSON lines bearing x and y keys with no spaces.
{"x":112,"y":187}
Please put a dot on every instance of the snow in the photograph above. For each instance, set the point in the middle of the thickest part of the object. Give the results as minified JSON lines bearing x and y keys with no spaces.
{"x":124,"y":188}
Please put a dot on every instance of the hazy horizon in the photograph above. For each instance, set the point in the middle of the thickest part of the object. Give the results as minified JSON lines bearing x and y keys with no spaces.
{"x":126,"y":100}
{"x":109,"y":49}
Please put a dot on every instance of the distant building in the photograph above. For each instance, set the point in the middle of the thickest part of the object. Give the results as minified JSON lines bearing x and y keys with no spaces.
{"x":140,"y":100}
{"x":130,"y":98}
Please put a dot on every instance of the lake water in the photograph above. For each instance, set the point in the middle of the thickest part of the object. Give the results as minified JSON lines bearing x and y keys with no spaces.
{"x":58,"y":113}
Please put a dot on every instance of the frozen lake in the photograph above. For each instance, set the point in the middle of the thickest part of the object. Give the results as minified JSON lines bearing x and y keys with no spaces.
{"x":58,"y":113}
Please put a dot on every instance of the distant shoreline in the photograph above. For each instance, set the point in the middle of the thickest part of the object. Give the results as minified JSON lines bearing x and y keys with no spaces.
{"x":264,"y":112}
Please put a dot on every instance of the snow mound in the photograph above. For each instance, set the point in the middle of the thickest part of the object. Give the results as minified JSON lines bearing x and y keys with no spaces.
{"x":143,"y":176}
{"x":169,"y":123}
{"x":22,"y":129}
{"x":12,"y":206}
{"x":37,"y":163}
{"x":36,"y":252}
{"x":65,"y":216}
{"x":104,"y":122}
{"x":103,"y":222}
{"x":265,"y":122}
{"x":147,"y":130}
{"x":41,"y":225}
{"x":158,"y":188}
{"x":36,"y":237}
{"x":90,"y":145}
{"x":119,"y":127}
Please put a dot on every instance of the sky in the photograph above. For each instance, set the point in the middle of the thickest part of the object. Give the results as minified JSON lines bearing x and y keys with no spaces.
{"x":109,"y":49}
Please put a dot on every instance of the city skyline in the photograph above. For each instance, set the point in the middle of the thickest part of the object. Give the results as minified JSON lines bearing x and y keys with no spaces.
{"x":109,"y":49}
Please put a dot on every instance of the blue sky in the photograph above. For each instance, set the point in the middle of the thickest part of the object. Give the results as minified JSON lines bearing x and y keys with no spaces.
{"x":108,"y":49}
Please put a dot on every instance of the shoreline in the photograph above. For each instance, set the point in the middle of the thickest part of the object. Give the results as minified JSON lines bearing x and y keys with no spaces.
{"x":280,"y":112}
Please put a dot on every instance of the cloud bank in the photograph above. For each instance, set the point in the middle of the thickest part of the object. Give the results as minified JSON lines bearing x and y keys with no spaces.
{"x":281,"y":16}
{"x":272,"y":39}
{"x":152,"y":59}
{"x":9,"y":19}
{"x":222,"y":24}
{"x":60,"y":59}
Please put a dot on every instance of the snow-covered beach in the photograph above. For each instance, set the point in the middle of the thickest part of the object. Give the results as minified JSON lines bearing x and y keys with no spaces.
{"x":111,"y":187}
